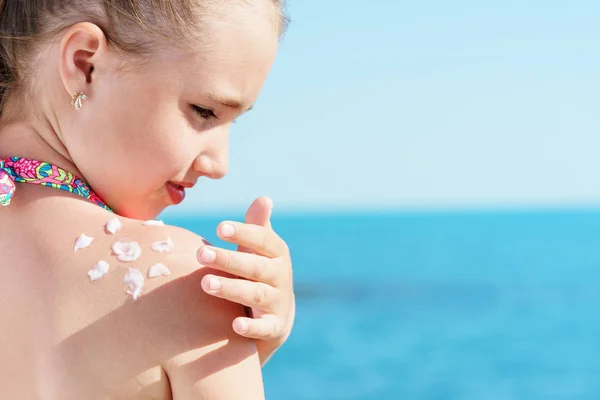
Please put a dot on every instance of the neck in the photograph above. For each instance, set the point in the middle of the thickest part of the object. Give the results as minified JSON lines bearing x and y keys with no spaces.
{"x":35,"y":137}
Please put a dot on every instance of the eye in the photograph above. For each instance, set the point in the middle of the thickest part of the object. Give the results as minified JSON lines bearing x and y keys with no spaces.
{"x":204,"y":113}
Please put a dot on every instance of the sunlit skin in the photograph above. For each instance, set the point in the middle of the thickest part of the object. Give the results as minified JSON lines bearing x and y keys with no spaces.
{"x":143,"y":135}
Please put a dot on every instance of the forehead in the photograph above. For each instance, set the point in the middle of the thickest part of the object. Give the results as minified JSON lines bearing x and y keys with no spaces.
{"x":230,"y":57}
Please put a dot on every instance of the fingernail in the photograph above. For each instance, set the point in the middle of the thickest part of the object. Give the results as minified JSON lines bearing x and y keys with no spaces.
{"x":240,"y":325}
{"x":227,"y":230}
{"x":214,"y":284}
{"x":207,"y":255}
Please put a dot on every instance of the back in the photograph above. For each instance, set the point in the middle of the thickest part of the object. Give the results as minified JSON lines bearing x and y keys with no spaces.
{"x":65,"y":337}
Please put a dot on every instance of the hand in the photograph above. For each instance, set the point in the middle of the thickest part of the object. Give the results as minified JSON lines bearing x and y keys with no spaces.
{"x":263,"y":260}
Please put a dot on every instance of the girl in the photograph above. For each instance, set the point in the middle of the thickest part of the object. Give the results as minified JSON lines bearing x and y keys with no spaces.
{"x":110,"y":109}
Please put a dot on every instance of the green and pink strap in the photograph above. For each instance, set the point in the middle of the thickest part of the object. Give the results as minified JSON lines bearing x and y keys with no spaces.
{"x":24,"y":170}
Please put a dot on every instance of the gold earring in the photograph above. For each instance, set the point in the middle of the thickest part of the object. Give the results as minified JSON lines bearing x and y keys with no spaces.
{"x":76,"y":100}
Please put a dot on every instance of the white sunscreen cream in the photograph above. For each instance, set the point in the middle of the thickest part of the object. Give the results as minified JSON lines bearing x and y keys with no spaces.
{"x":113,"y":226}
{"x":134,"y":282}
{"x":157,"y":270}
{"x":165,"y":246}
{"x":126,"y":250}
{"x":82,"y":242}
{"x":99,"y":270}
{"x":153,"y":223}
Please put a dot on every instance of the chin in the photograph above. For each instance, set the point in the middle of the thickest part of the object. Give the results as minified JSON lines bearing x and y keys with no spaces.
{"x":140,"y":212}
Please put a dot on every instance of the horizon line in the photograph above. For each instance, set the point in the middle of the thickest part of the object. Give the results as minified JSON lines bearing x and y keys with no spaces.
{"x":401,"y":210}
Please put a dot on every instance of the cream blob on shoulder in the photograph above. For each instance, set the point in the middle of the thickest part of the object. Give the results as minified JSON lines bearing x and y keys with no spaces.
{"x":134,"y":282}
{"x":126,"y":250}
{"x":153,"y":223}
{"x":82,"y":242}
{"x":158,"y":269}
{"x":165,"y":246}
{"x":113,"y":226}
{"x":99,"y":270}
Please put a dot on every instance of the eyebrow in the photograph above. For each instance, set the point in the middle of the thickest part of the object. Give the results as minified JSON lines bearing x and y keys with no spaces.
{"x":228,"y":102}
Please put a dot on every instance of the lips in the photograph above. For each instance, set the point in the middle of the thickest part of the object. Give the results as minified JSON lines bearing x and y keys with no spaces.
{"x":176,"y":192}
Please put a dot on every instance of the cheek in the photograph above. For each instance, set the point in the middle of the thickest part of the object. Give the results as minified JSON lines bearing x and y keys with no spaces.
{"x":135,"y":145}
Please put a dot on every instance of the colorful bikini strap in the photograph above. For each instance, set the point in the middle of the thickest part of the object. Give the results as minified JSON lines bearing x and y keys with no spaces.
{"x":24,"y":170}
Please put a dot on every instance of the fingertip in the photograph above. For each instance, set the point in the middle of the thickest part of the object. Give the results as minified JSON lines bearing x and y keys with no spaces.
{"x":205,"y":283}
{"x":207,"y":255}
{"x":271,"y":204}
{"x":211,"y":284}
{"x":241,"y":326}
{"x":226,"y":230}
{"x":268,"y":202}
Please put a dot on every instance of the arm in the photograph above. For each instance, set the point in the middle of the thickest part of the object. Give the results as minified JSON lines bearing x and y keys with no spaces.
{"x":224,"y":366}
{"x":201,"y":354}
{"x":266,"y":348}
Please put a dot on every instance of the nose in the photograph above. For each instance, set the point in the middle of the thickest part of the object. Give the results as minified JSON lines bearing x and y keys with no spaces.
{"x":213,"y":160}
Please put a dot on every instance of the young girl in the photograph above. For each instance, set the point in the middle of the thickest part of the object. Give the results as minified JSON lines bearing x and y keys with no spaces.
{"x":110,"y":109}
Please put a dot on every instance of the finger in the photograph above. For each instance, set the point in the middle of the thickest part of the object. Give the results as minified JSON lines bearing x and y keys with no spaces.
{"x":243,"y":265}
{"x":265,"y":328}
{"x":259,"y":213}
{"x":259,"y":239}
{"x":248,"y":293}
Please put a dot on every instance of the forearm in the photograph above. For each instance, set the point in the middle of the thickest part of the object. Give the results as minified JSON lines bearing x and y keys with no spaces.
{"x":267,"y":348}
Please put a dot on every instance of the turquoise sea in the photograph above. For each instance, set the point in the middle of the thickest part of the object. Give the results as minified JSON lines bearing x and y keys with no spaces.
{"x":465,"y":305}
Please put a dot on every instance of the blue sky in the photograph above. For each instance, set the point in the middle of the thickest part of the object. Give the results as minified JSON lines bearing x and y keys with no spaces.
{"x":392,"y":105}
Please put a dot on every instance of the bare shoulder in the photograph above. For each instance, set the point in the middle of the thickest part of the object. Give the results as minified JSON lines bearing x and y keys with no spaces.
{"x":190,"y":331}
{"x":197,"y":346}
{"x":171,"y":323}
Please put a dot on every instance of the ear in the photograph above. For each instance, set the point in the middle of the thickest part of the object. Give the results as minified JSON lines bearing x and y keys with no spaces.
{"x":82,"y":47}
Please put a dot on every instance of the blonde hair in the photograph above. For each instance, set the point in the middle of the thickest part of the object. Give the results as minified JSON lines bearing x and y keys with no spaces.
{"x":131,"y":25}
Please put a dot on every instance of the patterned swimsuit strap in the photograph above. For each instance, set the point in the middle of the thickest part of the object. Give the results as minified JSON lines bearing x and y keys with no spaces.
{"x":24,"y":170}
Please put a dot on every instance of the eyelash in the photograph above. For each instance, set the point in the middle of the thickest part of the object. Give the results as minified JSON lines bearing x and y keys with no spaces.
{"x":204,"y":113}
